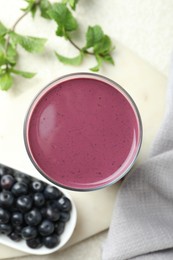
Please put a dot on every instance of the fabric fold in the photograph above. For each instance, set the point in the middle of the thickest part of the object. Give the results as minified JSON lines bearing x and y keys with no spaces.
{"x":142,"y":221}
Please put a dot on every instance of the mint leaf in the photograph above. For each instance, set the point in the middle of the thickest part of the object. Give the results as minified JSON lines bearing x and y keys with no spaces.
{"x":101,"y":44}
{"x":99,"y":64}
{"x":72,"y":3}
{"x":100,"y":60}
{"x":31,"y":7}
{"x":8,"y":56}
{"x":2,"y":51}
{"x":30,"y":3}
{"x":70,"y":61}
{"x":2,"y":58}
{"x":104,"y":46}
{"x":3,"y":30}
{"x":93,"y":35}
{"x":45,"y":5}
{"x":63,"y":17}
{"x":11,"y":55}
{"x":6,"y":81}
{"x":24,"y":74}
{"x":33,"y":10}
{"x":60,"y":31}
{"x":108,"y":59}
{"x":2,"y":43}
{"x":30,"y":44}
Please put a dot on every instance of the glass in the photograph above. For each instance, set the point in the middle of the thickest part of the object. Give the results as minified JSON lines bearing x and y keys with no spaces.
{"x":83,"y":132}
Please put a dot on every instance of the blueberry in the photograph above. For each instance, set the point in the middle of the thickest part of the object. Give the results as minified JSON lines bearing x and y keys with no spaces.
{"x":52,"y":213}
{"x":37,"y":186}
{"x":29,"y":232}
{"x":5,"y":229}
{"x":19,"y":188}
{"x":4,"y":170}
{"x":13,"y":207}
{"x":17,"y":218}
{"x":6,"y":198}
{"x":1,"y":170}
{"x":22,"y":177}
{"x":33,"y":217}
{"x":43,"y":212}
{"x":59,"y":228}
{"x":51,"y":241}
{"x":7,"y":181}
{"x":24,"y":203}
{"x":52,"y":192}
{"x":18,"y":229}
{"x":39,"y":199}
{"x":46,"y":228}
{"x":49,"y":202}
{"x":64,"y":216}
{"x":15,"y":236}
{"x":4,"y":216}
{"x":63,"y":204}
{"x":34,"y":243}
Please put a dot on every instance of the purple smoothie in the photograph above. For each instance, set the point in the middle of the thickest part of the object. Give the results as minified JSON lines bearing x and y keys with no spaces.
{"x":82,"y":133}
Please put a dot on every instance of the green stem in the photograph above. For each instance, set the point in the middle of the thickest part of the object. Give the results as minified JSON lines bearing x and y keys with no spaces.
{"x":18,"y":20}
{"x":77,"y":47}
{"x":37,"y":2}
{"x":8,"y":36}
{"x":13,"y":29}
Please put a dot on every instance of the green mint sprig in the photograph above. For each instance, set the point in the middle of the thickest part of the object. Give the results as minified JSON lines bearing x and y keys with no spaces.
{"x":96,"y":44}
{"x":9,"y":41}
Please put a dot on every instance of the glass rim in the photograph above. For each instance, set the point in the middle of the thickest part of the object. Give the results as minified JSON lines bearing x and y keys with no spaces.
{"x":88,"y":75}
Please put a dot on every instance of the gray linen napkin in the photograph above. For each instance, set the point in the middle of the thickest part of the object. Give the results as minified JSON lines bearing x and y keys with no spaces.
{"x":142,"y":221}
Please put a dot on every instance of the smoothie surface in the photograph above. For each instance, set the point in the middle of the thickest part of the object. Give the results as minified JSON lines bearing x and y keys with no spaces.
{"x":83,"y":133}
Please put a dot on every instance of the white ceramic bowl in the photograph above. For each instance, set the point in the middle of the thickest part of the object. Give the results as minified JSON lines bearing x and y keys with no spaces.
{"x":64,"y":237}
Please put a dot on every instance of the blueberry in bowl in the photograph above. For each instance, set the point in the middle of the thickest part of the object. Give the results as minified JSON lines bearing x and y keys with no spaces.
{"x":35,"y":217}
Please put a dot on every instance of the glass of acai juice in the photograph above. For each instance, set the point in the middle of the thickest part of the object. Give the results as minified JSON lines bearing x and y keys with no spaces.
{"x":83,"y":132}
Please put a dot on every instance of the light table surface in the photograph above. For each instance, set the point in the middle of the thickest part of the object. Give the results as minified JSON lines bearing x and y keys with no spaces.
{"x":145,"y":84}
